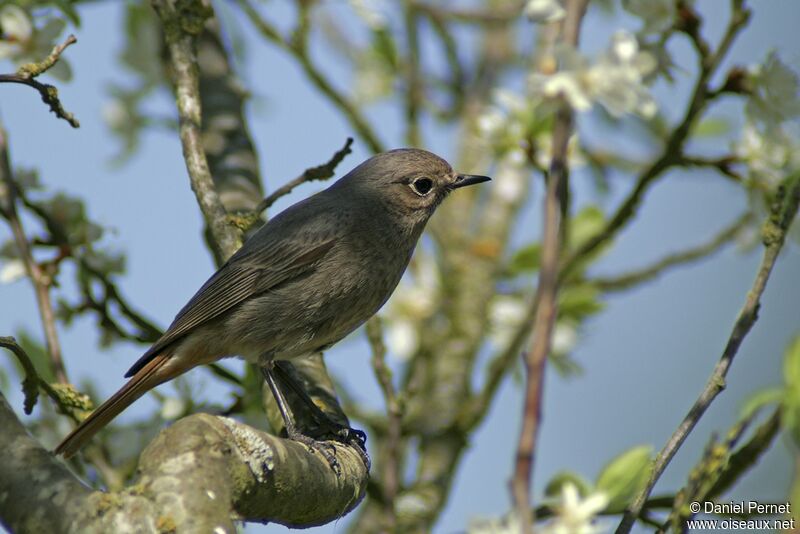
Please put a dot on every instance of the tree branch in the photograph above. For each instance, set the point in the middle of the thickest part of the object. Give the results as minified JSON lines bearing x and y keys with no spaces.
{"x":320,"y":172}
{"x":546,"y":306}
{"x":634,"y":278}
{"x":181,"y":25}
{"x":774,"y":234}
{"x":673,"y":149}
{"x":297,"y":46}
{"x":390,"y":473}
{"x":26,"y":75}
{"x":198,"y":475}
{"x":41,"y":282}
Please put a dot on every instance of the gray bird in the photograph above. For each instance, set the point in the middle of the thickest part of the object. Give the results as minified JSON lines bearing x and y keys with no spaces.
{"x":302,"y":282}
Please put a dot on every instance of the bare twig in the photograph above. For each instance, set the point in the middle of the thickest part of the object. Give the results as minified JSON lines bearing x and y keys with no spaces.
{"x":297,"y":45}
{"x":505,"y":15}
{"x":414,"y":88}
{"x":180,"y":33}
{"x":41,"y":282}
{"x":723,"y":165}
{"x":673,"y":149}
{"x":320,"y":172}
{"x":391,"y":462}
{"x":26,"y":75}
{"x":546,"y":292}
{"x":628,"y":280}
{"x":774,"y":233}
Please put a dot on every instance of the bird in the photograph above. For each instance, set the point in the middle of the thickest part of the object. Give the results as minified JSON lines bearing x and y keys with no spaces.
{"x":303,"y":281}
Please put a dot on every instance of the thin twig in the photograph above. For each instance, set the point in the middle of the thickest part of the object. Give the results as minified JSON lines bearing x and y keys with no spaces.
{"x":505,"y":15}
{"x":183,"y":62}
{"x":634,"y":278}
{"x":391,"y":463}
{"x":547,"y":307}
{"x":414,"y":90}
{"x":297,"y":45}
{"x":320,"y":172}
{"x":673,"y":149}
{"x":41,"y":282}
{"x":26,"y":75}
{"x":30,"y":384}
{"x":774,"y":233}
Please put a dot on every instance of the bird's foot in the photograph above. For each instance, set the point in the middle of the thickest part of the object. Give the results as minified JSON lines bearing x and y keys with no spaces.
{"x":327,"y":450}
{"x":357,"y":439}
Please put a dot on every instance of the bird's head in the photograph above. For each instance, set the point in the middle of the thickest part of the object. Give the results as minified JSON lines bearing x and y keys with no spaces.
{"x":408,"y":182}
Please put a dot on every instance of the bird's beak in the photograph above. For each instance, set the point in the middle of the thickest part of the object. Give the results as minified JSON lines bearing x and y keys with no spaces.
{"x":469,"y":179}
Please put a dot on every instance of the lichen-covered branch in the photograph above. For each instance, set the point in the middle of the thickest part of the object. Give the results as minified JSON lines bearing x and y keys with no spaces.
{"x":26,"y":75}
{"x":199,"y":475}
{"x":183,"y":22}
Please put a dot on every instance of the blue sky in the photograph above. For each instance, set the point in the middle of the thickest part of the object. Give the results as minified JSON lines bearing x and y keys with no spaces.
{"x":646,"y":357}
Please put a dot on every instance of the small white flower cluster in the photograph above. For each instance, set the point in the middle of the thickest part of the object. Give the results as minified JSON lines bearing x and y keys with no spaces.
{"x":615,"y":79}
{"x":372,"y":12}
{"x":769,"y":144}
{"x":575,"y":515}
{"x":22,"y":42}
{"x":544,"y":11}
{"x":410,"y":305}
{"x":657,"y":15}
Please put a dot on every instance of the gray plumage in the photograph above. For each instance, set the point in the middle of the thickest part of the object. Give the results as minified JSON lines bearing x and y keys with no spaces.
{"x":303,"y":281}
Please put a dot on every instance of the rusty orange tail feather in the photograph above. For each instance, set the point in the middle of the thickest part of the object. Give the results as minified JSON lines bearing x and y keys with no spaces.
{"x":143,"y":381}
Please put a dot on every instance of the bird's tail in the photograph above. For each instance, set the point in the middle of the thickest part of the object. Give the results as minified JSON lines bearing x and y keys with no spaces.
{"x":152,"y":374}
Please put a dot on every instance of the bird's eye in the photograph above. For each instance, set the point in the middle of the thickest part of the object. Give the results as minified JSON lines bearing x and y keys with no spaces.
{"x":422,"y":186}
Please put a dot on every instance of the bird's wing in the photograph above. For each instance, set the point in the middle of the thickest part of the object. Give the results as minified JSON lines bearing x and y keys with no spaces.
{"x":252,"y":271}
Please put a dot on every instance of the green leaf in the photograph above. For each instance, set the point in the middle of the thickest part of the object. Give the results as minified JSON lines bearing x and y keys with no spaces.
{"x":625,"y":476}
{"x":791,"y":399}
{"x":712,"y":127}
{"x":385,"y":49}
{"x":525,"y":260}
{"x":553,"y":488}
{"x":579,"y":301}
{"x":759,"y":399}
{"x":585,"y":224}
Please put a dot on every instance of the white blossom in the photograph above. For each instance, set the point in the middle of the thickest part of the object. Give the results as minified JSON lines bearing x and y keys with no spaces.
{"x":775,"y":93}
{"x":506,"y":313}
{"x":615,"y":79}
{"x":372,"y":12}
{"x":576,"y":515}
{"x":657,"y":15}
{"x":12,"y":271}
{"x":769,"y":153}
{"x":402,"y":338}
{"x":543,"y":11}
{"x":172,"y":408}
{"x":412,"y":303}
{"x":510,"y":176}
{"x":565,"y":337}
{"x":15,"y":23}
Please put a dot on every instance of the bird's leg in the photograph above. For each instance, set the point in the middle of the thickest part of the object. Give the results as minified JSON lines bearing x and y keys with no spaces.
{"x":288,"y":420}
{"x":342,"y":433}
